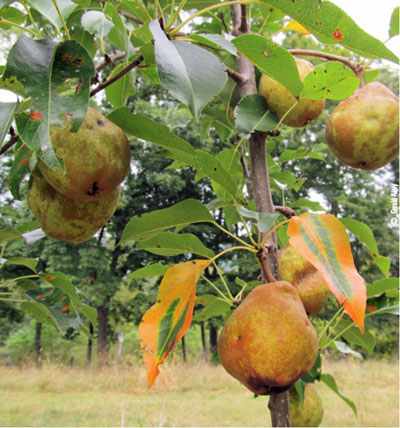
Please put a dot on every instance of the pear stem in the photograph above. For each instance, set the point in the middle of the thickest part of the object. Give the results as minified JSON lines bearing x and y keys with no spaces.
{"x":262,"y":258}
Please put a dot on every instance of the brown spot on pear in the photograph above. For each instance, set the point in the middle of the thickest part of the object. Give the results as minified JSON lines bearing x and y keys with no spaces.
{"x":363,"y":130}
{"x":68,"y":219}
{"x":309,"y":284}
{"x":312,"y":411}
{"x":278,"y":344}
{"x":96,"y":158}
{"x":280,"y":99}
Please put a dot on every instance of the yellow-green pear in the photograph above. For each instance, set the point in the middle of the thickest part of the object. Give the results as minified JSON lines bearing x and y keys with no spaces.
{"x":68,"y":219}
{"x":280,"y":100}
{"x":309,"y":414}
{"x":268,"y":342}
{"x":363,"y":130}
{"x":96,"y":158}
{"x":310,"y":286}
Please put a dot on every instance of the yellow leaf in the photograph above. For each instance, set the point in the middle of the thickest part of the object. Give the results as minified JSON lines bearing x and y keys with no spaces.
{"x":295,"y":26}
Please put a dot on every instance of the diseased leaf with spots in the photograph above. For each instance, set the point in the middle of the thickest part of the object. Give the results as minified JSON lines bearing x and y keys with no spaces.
{"x":323,"y":241}
{"x":57,"y":78}
{"x":165,"y":323}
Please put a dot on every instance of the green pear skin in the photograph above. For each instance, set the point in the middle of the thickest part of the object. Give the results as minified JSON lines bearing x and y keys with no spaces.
{"x":309,"y":284}
{"x":268,"y":342}
{"x":363,"y":130}
{"x":312,"y":411}
{"x":96,"y":158}
{"x":280,"y":100}
{"x":68,"y":219}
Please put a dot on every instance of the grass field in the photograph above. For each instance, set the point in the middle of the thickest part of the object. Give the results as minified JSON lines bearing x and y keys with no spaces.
{"x":183,"y":395}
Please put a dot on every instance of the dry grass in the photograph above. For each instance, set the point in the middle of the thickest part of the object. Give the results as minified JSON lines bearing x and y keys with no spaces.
{"x":184,"y":395}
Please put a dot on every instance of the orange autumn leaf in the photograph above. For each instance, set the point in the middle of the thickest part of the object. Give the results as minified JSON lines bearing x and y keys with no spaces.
{"x":165,"y":323}
{"x":323,"y":241}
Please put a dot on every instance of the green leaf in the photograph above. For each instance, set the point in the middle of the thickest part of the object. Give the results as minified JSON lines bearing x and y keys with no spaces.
{"x":252,"y":114}
{"x":264,"y":221}
{"x":96,"y":22}
{"x":6,"y":116}
{"x":12,"y":84}
{"x":44,"y":67}
{"x":331,"y":25}
{"x":394,"y":23}
{"x":212,"y":307}
{"x":9,"y":234}
{"x":215,"y":41}
{"x":353,"y":335}
{"x":364,"y":234}
{"x":23,"y":261}
{"x":147,"y":129}
{"x":331,"y":80}
{"x":344,"y":349}
{"x":270,"y":59}
{"x":11,"y":14}
{"x":148,"y":225}
{"x":40,"y":313}
{"x":18,"y":170}
{"x":117,"y":35}
{"x":306,"y":203}
{"x":329,"y":380}
{"x":172,"y":244}
{"x":286,"y":177}
{"x":49,"y":11}
{"x":193,"y":75}
{"x":118,"y":92}
{"x":382,"y":286}
{"x":85,"y":39}
{"x":155,"y":269}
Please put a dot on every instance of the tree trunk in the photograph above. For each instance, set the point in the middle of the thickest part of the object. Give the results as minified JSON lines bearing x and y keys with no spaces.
{"x":120,"y":343}
{"x":102,"y":315}
{"x":38,"y":343}
{"x":203,"y":342}
{"x":90,"y":346}
{"x":213,"y":339}
{"x":279,"y":403}
{"x":183,"y":349}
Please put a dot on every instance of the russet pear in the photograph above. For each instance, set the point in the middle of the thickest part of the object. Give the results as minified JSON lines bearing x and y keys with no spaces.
{"x":363,"y":130}
{"x":268,"y":342}
{"x":309,"y":414}
{"x":68,"y":219}
{"x":309,"y":284}
{"x":96,"y":158}
{"x":280,"y":100}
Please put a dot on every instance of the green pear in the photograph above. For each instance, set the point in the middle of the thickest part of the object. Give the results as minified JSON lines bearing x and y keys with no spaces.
{"x":310,"y":413}
{"x":96,"y":158}
{"x":280,"y":100}
{"x":363,"y":130}
{"x":268,"y":342}
{"x":68,"y":219}
{"x":309,"y":284}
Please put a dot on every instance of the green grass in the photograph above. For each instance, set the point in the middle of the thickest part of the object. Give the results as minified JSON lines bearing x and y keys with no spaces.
{"x":183,"y":395}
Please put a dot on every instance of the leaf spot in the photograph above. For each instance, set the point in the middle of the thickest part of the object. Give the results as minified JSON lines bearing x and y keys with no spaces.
{"x":36,"y":115}
{"x":337,"y":35}
{"x":22,"y":163}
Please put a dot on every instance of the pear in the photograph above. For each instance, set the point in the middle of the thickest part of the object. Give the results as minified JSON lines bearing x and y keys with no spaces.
{"x":309,"y":284}
{"x":268,"y":342}
{"x":280,"y":99}
{"x":310,"y":413}
{"x":96,"y":158}
{"x":363,"y":130}
{"x":68,"y":219}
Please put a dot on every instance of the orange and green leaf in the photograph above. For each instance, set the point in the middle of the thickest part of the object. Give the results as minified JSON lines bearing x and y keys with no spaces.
{"x":323,"y":241}
{"x":165,"y":323}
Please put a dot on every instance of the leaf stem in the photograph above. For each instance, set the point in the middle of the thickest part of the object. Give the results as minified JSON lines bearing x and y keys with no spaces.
{"x":31,"y":18}
{"x":284,"y":116}
{"x":6,"y":299}
{"x":175,"y":15}
{"x":223,"y":281}
{"x":328,"y":324}
{"x":225,"y":299}
{"x":7,"y":22}
{"x":336,"y":337}
{"x":248,"y":246}
{"x":62,"y":19}
{"x":262,"y":243}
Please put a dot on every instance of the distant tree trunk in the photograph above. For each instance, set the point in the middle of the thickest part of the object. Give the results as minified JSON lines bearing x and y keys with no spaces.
{"x":204,"y":342}
{"x":184,"y":349}
{"x":120,"y":343}
{"x":38,"y":343}
{"x":213,"y":338}
{"x":90,"y":346}
{"x":102,"y":315}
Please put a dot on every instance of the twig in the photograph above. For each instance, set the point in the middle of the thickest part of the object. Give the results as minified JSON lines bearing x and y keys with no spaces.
{"x":122,"y":73}
{"x":286,"y":211}
{"x":109,"y":60}
{"x":262,"y":258}
{"x":13,"y":140}
{"x":130,"y":17}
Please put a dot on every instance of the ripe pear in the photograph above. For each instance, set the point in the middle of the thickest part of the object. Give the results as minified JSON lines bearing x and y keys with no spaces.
{"x":309,"y":284}
{"x":312,"y":411}
{"x":96,"y":158}
{"x":268,"y":342}
{"x":68,"y":219}
{"x":280,"y":99}
{"x":363,"y":130}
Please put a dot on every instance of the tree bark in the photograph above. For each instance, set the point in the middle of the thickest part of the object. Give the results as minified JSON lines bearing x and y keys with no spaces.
{"x":203,"y":341}
{"x":213,"y":339}
{"x":279,"y":403}
{"x":184,"y":349}
{"x":90,"y":346}
{"x":38,"y":343}
{"x":102,"y":317}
